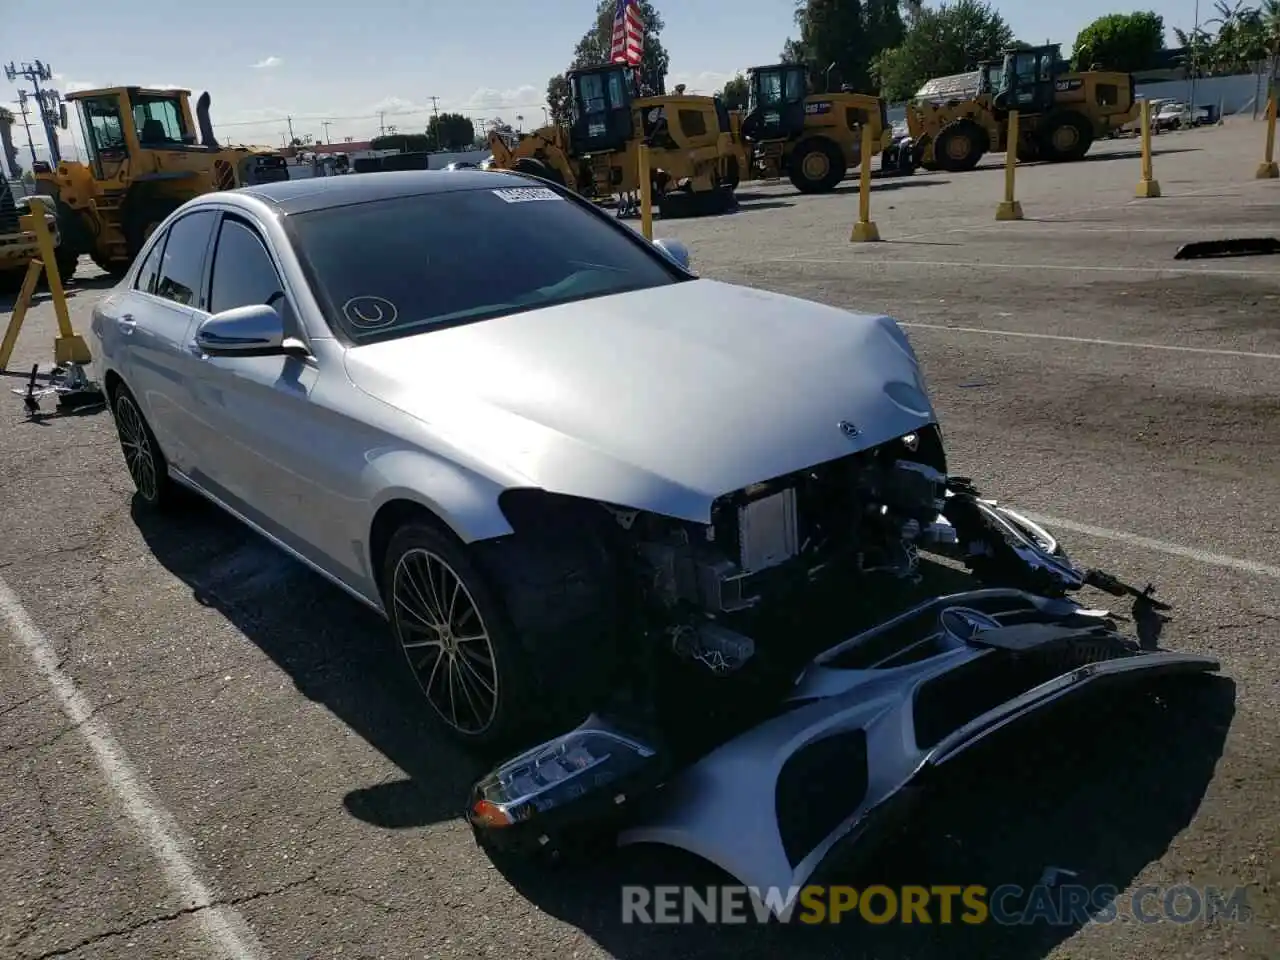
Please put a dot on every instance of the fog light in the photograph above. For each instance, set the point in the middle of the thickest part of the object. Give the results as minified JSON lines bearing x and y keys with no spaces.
{"x":576,"y":781}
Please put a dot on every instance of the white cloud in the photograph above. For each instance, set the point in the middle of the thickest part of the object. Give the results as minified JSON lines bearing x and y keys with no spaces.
{"x":705,"y":83}
{"x":487,"y":99}
{"x":268,"y":63}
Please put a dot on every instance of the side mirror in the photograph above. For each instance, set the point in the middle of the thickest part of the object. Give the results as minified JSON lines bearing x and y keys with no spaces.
{"x":256,"y":330}
{"x":676,"y":251}
{"x":62,"y":115}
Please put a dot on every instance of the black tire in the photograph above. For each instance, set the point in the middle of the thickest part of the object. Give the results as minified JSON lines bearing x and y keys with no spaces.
{"x":538,"y":168}
{"x":545,"y":622}
{"x":684,"y":204}
{"x":68,"y":261}
{"x":1066,"y":137}
{"x":732,"y":175}
{"x":1028,"y":152}
{"x":918,"y":150}
{"x":140,"y":220}
{"x":816,"y":166}
{"x":960,"y":146}
{"x":145,"y":461}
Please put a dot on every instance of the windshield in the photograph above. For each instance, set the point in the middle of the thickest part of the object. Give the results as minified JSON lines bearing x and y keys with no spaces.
{"x":391,"y":268}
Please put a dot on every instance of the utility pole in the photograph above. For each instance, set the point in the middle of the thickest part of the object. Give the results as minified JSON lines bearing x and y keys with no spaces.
{"x":382,"y":123}
{"x":291,"y":137}
{"x":46,"y":101}
{"x":325,"y":124}
{"x":435,"y":112}
{"x":26,"y":122}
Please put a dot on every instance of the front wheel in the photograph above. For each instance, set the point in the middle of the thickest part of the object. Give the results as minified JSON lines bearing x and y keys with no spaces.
{"x":816,"y":167}
{"x":455,"y":637}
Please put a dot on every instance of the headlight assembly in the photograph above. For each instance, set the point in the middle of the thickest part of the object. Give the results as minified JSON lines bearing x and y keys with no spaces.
{"x":579,"y":782}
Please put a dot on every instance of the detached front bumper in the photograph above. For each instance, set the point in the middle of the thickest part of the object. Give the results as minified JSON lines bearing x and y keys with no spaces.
{"x":866,"y":722}
{"x":877,"y":715}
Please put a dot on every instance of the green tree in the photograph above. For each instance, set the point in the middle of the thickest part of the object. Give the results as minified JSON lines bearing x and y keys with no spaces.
{"x":947,"y":39}
{"x":1120,"y":41}
{"x":593,"y":49}
{"x":843,"y":36}
{"x":559,"y":98}
{"x":450,"y":131}
{"x":734,"y":93}
{"x":404,"y":142}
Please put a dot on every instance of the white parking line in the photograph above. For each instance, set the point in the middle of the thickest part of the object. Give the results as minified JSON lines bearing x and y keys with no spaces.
{"x":1158,"y":546}
{"x":987,"y":265}
{"x":1092,"y":341}
{"x":223,"y":926}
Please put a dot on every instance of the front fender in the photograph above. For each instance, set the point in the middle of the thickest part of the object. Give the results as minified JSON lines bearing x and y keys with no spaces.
{"x":465,"y":501}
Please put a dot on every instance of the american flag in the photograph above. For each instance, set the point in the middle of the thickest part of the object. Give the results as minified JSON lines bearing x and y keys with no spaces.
{"x":628,"y":34}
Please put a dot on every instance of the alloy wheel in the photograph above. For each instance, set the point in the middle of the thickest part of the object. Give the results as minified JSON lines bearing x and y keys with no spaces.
{"x":139,"y":458}
{"x":445,"y":640}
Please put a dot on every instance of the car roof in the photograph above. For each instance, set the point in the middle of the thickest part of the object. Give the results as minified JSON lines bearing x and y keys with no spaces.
{"x":321,"y":193}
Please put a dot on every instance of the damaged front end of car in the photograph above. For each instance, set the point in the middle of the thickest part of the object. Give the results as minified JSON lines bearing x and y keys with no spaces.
{"x":772,"y":727}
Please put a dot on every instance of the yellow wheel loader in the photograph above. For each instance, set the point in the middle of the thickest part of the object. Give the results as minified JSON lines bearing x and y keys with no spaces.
{"x":1060,"y":112}
{"x":813,"y":139}
{"x":691,"y":149}
{"x":144,"y":161}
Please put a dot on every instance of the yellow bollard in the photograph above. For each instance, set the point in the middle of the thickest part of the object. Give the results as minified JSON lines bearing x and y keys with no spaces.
{"x":1148,"y":187}
{"x":646,"y":194}
{"x":1010,"y":208}
{"x":68,"y":347}
{"x":1268,"y":169}
{"x":865,"y":230}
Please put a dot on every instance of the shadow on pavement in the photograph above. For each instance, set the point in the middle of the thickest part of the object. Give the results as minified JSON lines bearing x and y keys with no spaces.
{"x":1099,"y":788}
{"x":336,"y":652}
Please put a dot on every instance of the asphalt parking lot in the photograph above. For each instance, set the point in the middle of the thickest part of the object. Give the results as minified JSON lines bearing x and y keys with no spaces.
{"x":205,"y":751}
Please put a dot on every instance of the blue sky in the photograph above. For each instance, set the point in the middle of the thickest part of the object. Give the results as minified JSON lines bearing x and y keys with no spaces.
{"x":346,"y":61}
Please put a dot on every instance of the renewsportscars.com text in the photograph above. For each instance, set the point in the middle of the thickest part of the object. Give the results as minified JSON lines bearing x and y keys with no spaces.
{"x":1057,"y":905}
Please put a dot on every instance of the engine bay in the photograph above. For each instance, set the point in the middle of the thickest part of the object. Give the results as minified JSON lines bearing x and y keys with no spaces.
{"x":719,"y":592}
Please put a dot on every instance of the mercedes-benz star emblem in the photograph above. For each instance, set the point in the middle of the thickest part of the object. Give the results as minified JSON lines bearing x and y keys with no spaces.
{"x":965,"y":624}
{"x":849,"y":429}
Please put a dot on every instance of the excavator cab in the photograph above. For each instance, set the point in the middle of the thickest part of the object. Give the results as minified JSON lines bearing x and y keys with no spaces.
{"x":1028,"y":79}
{"x":600,"y":112}
{"x":776,"y":102}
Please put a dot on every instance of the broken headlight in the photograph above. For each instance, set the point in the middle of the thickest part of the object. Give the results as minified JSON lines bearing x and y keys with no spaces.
{"x":582,"y":778}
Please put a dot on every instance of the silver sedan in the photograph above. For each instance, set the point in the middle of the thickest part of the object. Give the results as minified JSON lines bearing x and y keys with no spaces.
{"x":555,"y":459}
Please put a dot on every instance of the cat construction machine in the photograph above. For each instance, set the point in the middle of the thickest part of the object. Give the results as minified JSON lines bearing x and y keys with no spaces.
{"x":1061,"y":112}
{"x":813,"y":139}
{"x":691,"y":148}
{"x":144,"y":162}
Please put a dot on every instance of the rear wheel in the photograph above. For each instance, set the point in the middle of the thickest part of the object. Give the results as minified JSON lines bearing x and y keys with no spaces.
{"x":1066,"y":137}
{"x":143,"y":458}
{"x":959,"y":147}
{"x":816,"y":166}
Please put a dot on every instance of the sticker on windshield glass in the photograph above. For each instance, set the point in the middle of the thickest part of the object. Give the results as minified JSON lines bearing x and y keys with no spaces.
{"x":526,"y":194}
{"x":369,"y":313}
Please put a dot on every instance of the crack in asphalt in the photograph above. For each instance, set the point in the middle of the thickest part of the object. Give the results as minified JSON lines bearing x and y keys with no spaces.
{"x":47,"y":742}
{"x":231,"y":902}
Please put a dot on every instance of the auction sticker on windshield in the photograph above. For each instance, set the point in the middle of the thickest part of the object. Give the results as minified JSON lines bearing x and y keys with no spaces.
{"x":526,"y":194}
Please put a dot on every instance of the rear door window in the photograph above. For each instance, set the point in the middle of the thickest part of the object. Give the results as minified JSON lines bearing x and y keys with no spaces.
{"x":182,"y":265}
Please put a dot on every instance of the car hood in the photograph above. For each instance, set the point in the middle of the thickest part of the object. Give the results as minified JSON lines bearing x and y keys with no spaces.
{"x":659,"y":400}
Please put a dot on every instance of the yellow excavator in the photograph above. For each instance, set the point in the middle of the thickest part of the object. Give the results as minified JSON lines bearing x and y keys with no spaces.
{"x":597,"y":153}
{"x":144,"y":161}
{"x":1061,"y":112}
{"x":814,"y":139}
